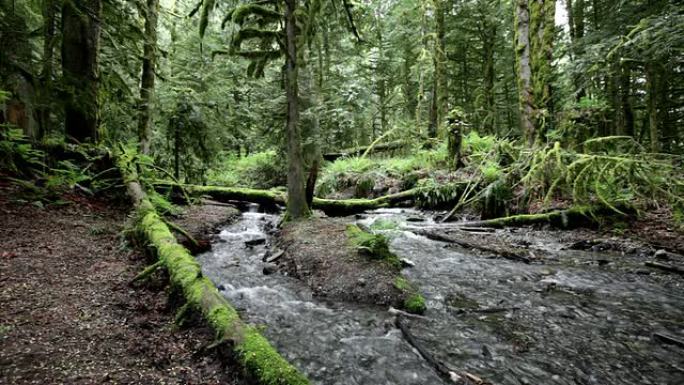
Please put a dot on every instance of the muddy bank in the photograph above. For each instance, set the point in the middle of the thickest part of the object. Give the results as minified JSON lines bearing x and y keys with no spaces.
{"x":68,"y":315}
{"x":318,"y":252}
{"x":202,"y":222}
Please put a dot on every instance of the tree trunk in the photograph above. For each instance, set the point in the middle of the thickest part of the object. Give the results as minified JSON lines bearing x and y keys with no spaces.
{"x":524,"y":71}
{"x":49,"y":24}
{"x":296,"y":202}
{"x":488,"y":40}
{"x":147,"y":76}
{"x":80,"y":44}
{"x":626,"y":99}
{"x":542,"y":32}
{"x":439,"y":97}
{"x":652,"y":90}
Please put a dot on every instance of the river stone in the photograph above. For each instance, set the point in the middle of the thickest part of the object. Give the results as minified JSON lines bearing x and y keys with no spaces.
{"x":270,"y":268}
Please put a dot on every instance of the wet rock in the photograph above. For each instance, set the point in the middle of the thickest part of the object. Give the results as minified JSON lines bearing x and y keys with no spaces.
{"x":270,"y":268}
{"x":361,"y":282}
{"x":255,"y":242}
{"x":405,"y":262}
{"x":662,"y":255}
{"x":415,"y":218}
{"x":220,"y":287}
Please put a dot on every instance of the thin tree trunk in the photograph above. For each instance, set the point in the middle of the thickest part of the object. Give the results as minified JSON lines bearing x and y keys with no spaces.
{"x":296,"y":195}
{"x":626,"y":99}
{"x":439,"y":96}
{"x":652,"y":101}
{"x":80,"y":45}
{"x":147,"y":77}
{"x":49,"y":24}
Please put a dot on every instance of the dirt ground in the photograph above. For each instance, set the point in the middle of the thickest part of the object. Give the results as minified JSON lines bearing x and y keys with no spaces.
{"x":318,"y":253}
{"x":67,"y":311}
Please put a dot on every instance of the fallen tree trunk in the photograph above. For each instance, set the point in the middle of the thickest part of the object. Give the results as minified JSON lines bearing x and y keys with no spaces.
{"x":332,"y":207}
{"x":519,"y":256}
{"x":253,"y":350}
{"x":357,"y":151}
{"x":573,"y":217}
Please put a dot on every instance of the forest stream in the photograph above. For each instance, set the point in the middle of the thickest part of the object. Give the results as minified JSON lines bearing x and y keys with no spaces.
{"x":577,"y":317}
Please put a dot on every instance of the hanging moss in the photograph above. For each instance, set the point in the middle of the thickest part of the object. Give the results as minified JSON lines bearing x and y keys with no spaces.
{"x":264,"y":35}
{"x":241,"y":13}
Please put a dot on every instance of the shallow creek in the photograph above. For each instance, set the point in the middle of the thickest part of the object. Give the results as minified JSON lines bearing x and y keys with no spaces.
{"x":561,"y":322}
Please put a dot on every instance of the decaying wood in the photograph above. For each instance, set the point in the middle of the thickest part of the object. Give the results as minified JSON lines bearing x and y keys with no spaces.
{"x":357,"y":151}
{"x":668,"y":339}
{"x":460,"y":378}
{"x":507,"y":254}
{"x":662,"y":266}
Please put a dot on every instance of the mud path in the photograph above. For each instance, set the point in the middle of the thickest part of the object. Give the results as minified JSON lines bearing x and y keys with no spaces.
{"x":67,"y":314}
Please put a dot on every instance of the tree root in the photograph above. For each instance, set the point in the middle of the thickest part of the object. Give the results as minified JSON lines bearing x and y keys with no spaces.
{"x":149,"y":270}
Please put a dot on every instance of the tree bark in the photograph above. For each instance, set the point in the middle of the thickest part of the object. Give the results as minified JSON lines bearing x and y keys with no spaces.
{"x":80,"y":45}
{"x":147,"y":76}
{"x":439,"y":96}
{"x":296,"y":203}
{"x":542,"y":32}
{"x":49,"y":24}
{"x":652,"y":90}
{"x":524,"y":71}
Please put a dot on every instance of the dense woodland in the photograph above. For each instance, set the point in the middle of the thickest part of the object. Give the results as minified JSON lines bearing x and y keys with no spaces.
{"x":488,"y":113}
{"x":254,"y":94}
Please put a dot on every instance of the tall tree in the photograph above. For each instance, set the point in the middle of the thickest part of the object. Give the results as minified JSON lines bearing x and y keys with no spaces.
{"x":80,"y":44}
{"x":524,"y":69}
{"x":439,"y":88}
{"x":147,"y":77}
{"x":296,"y":195}
{"x":535,"y":30}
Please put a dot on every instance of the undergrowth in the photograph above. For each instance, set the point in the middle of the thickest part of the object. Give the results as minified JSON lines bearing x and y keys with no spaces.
{"x":259,"y":170}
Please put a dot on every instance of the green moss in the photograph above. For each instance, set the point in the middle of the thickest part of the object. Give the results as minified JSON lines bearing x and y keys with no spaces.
{"x":375,"y":246}
{"x":384,"y":224}
{"x":415,"y":303}
{"x":261,"y":358}
{"x":403,"y":284}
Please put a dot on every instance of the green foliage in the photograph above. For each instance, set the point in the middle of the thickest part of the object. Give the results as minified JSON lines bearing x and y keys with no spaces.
{"x":17,"y":155}
{"x":414,"y":302}
{"x":162,"y":204}
{"x":374,"y":246}
{"x":384,"y":224}
{"x":354,"y":172}
{"x":262,"y":170}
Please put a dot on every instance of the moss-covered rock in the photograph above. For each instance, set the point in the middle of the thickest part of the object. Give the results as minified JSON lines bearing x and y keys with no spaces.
{"x":414,"y":302}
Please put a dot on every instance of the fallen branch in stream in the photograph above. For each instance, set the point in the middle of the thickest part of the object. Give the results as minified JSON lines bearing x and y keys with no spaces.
{"x":253,"y":350}
{"x":668,"y":339}
{"x":488,"y":310}
{"x":462,"y":378}
{"x":519,"y":256}
{"x":662,"y":266}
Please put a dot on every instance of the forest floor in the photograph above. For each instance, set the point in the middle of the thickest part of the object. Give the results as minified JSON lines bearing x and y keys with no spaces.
{"x":68,"y":313}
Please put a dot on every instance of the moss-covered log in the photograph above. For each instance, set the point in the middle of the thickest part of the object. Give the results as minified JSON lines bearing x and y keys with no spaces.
{"x":333,"y":207}
{"x":574,"y":217}
{"x":357,"y":151}
{"x":254,"y":351}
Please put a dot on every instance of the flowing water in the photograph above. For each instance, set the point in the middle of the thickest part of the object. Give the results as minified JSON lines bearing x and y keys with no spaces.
{"x":563,"y":322}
